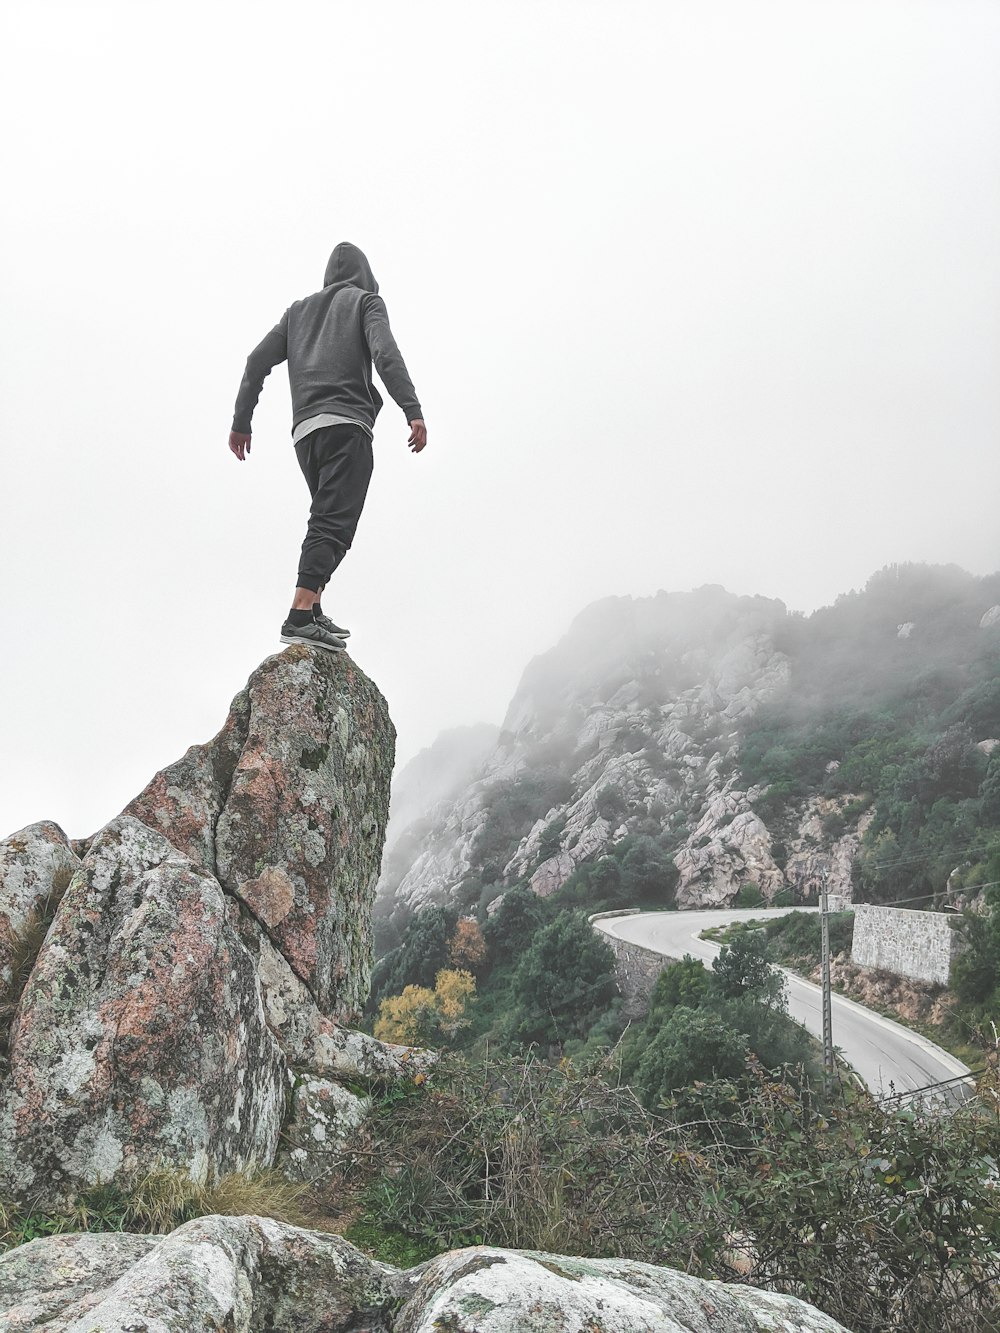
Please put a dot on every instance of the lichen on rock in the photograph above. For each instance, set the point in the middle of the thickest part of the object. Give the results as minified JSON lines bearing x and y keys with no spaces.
{"x":486,"y":1290}
{"x":36,"y":864}
{"x":141,"y":1037}
{"x":287,"y":807}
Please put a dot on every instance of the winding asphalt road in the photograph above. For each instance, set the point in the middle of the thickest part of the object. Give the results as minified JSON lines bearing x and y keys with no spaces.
{"x":887,"y":1056}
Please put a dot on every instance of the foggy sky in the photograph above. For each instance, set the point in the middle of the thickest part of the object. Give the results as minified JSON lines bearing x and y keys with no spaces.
{"x":690,"y":293}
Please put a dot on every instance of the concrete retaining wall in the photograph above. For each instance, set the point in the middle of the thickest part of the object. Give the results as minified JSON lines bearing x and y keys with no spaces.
{"x":919,"y":945}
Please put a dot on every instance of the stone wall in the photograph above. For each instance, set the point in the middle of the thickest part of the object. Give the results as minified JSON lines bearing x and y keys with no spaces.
{"x":636,"y":968}
{"x":919,"y":945}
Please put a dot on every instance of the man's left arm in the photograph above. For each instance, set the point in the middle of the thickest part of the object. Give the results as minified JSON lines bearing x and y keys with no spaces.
{"x":269,"y":352}
{"x":390,"y":365}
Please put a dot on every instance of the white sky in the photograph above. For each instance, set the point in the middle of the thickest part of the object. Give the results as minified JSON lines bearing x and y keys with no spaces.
{"x":691,"y":292}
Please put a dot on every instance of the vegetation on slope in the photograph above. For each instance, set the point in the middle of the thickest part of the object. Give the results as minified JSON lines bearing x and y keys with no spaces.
{"x":885,"y":1219}
{"x":898,"y":719}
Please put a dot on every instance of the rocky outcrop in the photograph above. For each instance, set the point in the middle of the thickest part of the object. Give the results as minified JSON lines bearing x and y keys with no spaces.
{"x":634,"y":722}
{"x":287,"y":806}
{"x":141,"y":1034}
{"x":816,"y":856}
{"x":231,"y":1274}
{"x":189,"y":995}
{"x":729,"y":847}
{"x":636,"y":725}
{"x":241,"y":1274}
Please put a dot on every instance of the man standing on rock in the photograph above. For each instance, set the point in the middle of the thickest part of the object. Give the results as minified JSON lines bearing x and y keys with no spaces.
{"x":330,"y":340}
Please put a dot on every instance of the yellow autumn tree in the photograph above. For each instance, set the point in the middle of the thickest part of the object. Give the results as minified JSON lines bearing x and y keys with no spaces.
{"x":467,"y":948}
{"x":421,"y":1016}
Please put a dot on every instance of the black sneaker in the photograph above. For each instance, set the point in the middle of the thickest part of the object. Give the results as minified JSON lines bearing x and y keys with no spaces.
{"x":324,"y":622}
{"x":312,"y":634}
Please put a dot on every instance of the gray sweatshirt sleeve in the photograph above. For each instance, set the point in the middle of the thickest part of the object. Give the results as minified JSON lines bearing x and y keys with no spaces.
{"x":268,"y":353}
{"x":388,"y":359}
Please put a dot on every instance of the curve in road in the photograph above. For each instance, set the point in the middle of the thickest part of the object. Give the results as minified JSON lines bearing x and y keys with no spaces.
{"x":887,"y":1056}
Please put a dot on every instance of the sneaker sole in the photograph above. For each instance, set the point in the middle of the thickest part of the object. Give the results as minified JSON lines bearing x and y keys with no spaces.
{"x":311,"y":643}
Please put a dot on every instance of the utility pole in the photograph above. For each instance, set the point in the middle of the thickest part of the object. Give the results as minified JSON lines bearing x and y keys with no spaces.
{"x":824,"y":922}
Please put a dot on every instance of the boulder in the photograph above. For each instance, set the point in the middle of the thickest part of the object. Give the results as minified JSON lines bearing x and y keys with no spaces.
{"x":323,"y":1118}
{"x":45,"y":1279}
{"x":287,"y":807}
{"x":238,"y":1274}
{"x":230,"y":1274}
{"x":141,"y":1037}
{"x":485,"y":1290}
{"x":36,"y":864}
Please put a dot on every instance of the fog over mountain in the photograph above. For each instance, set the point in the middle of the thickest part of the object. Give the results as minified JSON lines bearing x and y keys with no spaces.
{"x":687,"y":748}
{"x":437,"y":773}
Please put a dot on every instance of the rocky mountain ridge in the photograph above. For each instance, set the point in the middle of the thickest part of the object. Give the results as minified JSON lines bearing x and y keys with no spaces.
{"x":634,"y":725}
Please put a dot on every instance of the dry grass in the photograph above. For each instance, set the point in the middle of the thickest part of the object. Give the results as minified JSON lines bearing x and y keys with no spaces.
{"x":158,"y":1202}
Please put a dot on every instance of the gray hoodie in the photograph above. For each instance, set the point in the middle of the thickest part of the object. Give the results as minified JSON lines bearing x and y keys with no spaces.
{"x":330,"y":340}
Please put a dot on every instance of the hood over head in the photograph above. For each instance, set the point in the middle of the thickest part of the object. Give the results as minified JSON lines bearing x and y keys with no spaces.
{"x":348,"y":266}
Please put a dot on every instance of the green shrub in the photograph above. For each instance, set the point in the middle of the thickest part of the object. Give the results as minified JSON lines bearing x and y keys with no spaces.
{"x":563,"y":982}
{"x":749,"y":896}
{"x":886,"y":1219}
{"x":611,"y":804}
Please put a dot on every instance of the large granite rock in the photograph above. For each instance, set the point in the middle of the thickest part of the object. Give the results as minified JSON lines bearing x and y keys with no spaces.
{"x":287,"y":806}
{"x":206,"y":952}
{"x":36,"y":864}
{"x":231,"y":1274}
{"x":235,"y":1275}
{"x":485,"y":1290}
{"x":141,"y":1036}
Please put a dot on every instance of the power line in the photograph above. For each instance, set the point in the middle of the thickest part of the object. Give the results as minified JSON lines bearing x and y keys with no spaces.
{"x":930,"y":1087}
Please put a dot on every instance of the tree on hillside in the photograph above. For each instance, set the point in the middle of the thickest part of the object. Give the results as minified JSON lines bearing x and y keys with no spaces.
{"x":687,"y":983}
{"x":424,"y":1017}
{"x":420,"y":957}
{"x":564,"y":981}
{"x":742,"y":969}
{"x":467,"y":948}
{"x":511,"y":929}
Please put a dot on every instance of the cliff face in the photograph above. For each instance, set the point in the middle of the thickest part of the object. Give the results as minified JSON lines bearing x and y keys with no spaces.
{"x":205,"y":945}
{"x":754,"y":747}
{"x":633,"y":719}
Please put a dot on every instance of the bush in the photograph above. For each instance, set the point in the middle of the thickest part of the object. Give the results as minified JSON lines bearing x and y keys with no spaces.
{"x":611,"y":804}
{"x":885,"y":1219}
{"x":563,"y":982}
{"x":694,"y":1046}
{"x":749,"y":896}
{"x":424,"y":1017}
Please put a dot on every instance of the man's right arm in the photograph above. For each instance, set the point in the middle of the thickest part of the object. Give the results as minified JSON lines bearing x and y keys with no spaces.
{"x":268,"y":353}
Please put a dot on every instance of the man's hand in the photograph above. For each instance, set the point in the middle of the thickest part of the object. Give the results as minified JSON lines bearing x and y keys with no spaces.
{"x":418,"y":435}
{"x":240,"y":444}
